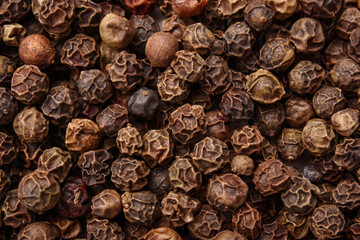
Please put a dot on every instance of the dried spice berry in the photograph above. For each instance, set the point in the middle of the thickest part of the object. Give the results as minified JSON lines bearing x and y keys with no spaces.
{"x":247,"y":221}
{"x":69,"y":228}
{"x":176,"y":25}
{"x":298,"y":110}
{"x":179,"y":208}
{"x":307,"y":35}
{"x":226,"y":192}
{"x":345,"y":121}
{"x":227,"y":234}
{"x":30,"y":152}
{"x":330,"y":171}
{"x":327,"y":101}
{"x":13,"y":34}
{"x":7,"y":68}
{"x":318,"y":137}
{"x":301,"y":196}
{"x":106,"y":204}
{"x":39,"y":191}
{"x":239,"y":40}
{"x":171,"y":87}
{"x":188,"y":8}
{"x":321,"y":9}
{"x":112,"y":119}
{"x":306,"y":77}
{"x":210,"y":155}
{"x":270,"y":177}
{"x":140,"y":7}
{"x":270,"y":118}
{"x":30,"y":125}
{"x":140,"y":207}
{"x":348,"y":21}
{"x":29,"y":85}
{"x":61,"y":104}
{"x":14,"y":213}
{"x":8,"y":106}
{"x":259,"y":15}
{"x":217,"y":125}
{"x":88,"y":15}
{"x":144,"y":103}
{"x":347,"y":153}
{"x":346,"y":194}
{"x":57,"y":162}
{"x":109,"y":7}
{"x":283,"y":8}
{"x":145,"y":26}
{"x":157,"y":147}
{"x":74,"y":201}
{"x":199,"y":97}
{"x":242,"y":165}
{"x":82,"y":135}
{"x":227,"y":9}
{"x":36,"y":49}
{"x":39,"y":230}
{"x":161,"y":48}
{"x":189,"y":66}
{"x":159,"y":182}
{"x":94,"y":166}
{"x":290,"y":144}
{"x":103,"y":229}
{"x":187,"y":123}
{"x":237,"y":105}
{"x":345,"y":74}
{"x":197,"y":37}
{"x":13,"y":10}
{"x":162,"y":233}
{"x":129,"y":174}
{"x":296,"y":224}
{"x":335,"y":51}
{"x":326,"y":221}
{"x":206,"y":223}
{"x":125,"y":72}
{"x":129,"y":141}
{"x":56,"y":17}
{"x":94,"y":87}
{"x":354,"y":45}
{"x":247,"y":140}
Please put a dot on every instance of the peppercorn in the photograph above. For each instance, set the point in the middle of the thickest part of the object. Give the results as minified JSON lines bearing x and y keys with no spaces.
{"x":106,"y":204}
{"x":144,"y":103}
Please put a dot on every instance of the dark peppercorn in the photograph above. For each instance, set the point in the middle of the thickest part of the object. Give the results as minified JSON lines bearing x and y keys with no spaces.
{"x":145,"y":26}
{"x":144,"y":103}
{"x":247,"y":221}
{"x":298,"y":110}
{"x":103,"y":229}
{"x":239,"y":40}
{"x":112,"y":119}
{"x":237,"y":105}
{"x":8,"y":106}
{"x":270,"y":118}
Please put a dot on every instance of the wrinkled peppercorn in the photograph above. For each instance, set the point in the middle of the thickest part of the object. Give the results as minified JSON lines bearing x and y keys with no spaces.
{"x":247,"y":221}
{"x":298,"y":110}
{"x":237,"y":105}
{"x":112,"y":119}
{"x":270,"y":118}
{"x":106,"y":204}
{"x":247,"y":140}
{"x":39,"y":230}
{"x":129,"y":141}
{"x":198,"y":38}
{"x":239,"y":40}
{"x":103,"y":229}
{"x":8,"y":106}
{"x":290,"y":144}
{"x":345,"y":75}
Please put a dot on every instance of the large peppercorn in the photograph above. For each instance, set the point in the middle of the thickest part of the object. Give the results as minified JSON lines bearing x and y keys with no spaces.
{"x":197,"y":37}
{"x":330,"y":171}
{"x":8,"y":106}
{"x":345,"y":121}
{"x":345,"y":194}
{"x":88,"y":15}
{"x":39,"y":191}
{"x":82,"y":135}
{"x":270,"y":118}
{"x":145,"y":26}
{"x":129,"y":141}
{"x":171,"y":87}
{"x":259,"y":15}
{"x":298,"y":110}
{"x":247,"y":221}
{"x":161,"y":48}
{"x":290,"y":144}
{"x":247,"y":140}
{"x":159,"y":182}
{"x":129,"y":174}
{"x":103,"y":229}
{"x":239,"y":40}
{"x":210,"y":155}
{"x":157,"y":147}
{"x":29,"y":85}
{"x":162,"y":233}
{"x":106,"y":204}
{"x":346,"y":75}
{"x":326,"y":221}
{"x":189,"y":66}
{"x":237,"y":105}
{"x":112,"y":119}
{"x":296,"y":224}
{"x":30,"y":125}
{"x":270,"y":177}
{"x":39,"y":230}
{"x":348,"y":21}
{"x":347,"y":154}
{"x":140,"y":207}
{"x":321,"y":9}
{"x":144,"y":103}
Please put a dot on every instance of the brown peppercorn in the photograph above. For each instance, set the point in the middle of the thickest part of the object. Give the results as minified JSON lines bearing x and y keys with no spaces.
{"x":161,"y":48}
{"x":106,"y":204}
{"x":290,"y":144}
{"x":159,"y":182}
{"x":321,"y":9}
{"x":69,"y":228}
{"x":227,"y":192}
{"x":237,"y":105}
{"x":335,"y":51}
{"x":298,"y":110}
{"x":348,"y":21}
{"x":283,"y":8}
{"x":82,"y":135}
{"x":269,"y":150}
{"x":330,"y":171}
{"x":125,"y":72}
{"x":270,"y":177}
{"x":188,"y":8}
{"x":116,"y":31}
{"x":326,"y":221}
{"x":39,"y":230}
{"x":56,"y":17}
{"x":347,"y":153}
{"x":276,"y":54}
{"x":239,"y":40}
{"x":13,"y":10}
{"x":327,"y":101}
{"x":94,"y":86}
{"x":7,"y":68}
{"x":247,"y":140}
{"x":301,"y":196}
{"x":61,"y":104}
{"x":29,"y":85}
{"x":140,"y":207}
{"x":306,"y":77}
{"x":14,"y":213}
{"x":88,"y":15}
{"x":112,"y":119}
{"x":129,"y":174}
{"x":57,"y":162}
{"x":171,"y":87}
{"x":217,"y":125}
{"x":30,"y":125}
{"x":270,"y":118}
{"x":36,"y":49}
{"x":162,"y":233}
{"x":157,"y":147}
{"x":346,"y":194}
{"x":227,"y":235}
{"x":129,"y":141}
{"x":141,"y":7}
{"x":227,"y":9}
{"x":207,"y":223}
{"x":145,"y":26}
{"x":346,"y":75}
{"x":13,"y":34}
{"x":179,"y":208}
{"x":259,"y":15}
{"x":354,"y":45}
{"x":189,"y":66}
{"x":183,"y":175}
{"x":210,"y":155}
{"x":307,"y":35}
{"x":296,"y":224}
{"x":274,"y":230}
{"x":242,"y":165}
{"x":94,"y":166}
{"x":199,"y":97}
{"x":39,"y":191}
{"x":197,"y":37}
{"x":187,"y":123}
{"x":176,"y":25}
{"x":345,"y":121}
{"x":103,"y":229}
{"x":8,"y":106}
{"x":247,"y":221}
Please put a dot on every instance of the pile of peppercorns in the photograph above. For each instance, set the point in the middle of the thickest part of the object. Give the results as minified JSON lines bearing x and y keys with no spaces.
{"x":234,"y":120}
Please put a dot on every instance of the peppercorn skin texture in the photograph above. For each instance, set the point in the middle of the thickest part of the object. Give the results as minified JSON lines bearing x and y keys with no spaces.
{"x":106,"y":204}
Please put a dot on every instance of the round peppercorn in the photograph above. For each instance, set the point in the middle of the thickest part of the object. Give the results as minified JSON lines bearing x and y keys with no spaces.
{"x":290,"y":144}
{"x":259,"y":15}
{"x":8,"y":106}
{"x":171,"y":87}
{"x":97,"y":228}
{"x":239,"y":40}
{"x":112,"y":119}
{"x":217,"y":126}
{"x":247,"y":140}
{"x":39,"y":230}
{"x":270,"y":118}
{"x":346,"y":154}
{"x":144,"y":103}
{"x":242,"y":165}
{"x":161,"y":48}
{"x":196,"y":37}
{"x":36,"y":49}
{"x":327,"y":101}
{"x":189,"y":66}
{"x":162,"y":233}
{"x":345,"y":74}
{"x":237,"y":105}
{"x":283,"y":8}
{"x":129,"y":141}
{"x":106,"y":204}
{"x":141,"y":7}
{"x":296,"y":224}
{"x":345,"y":194}
{"x":345,"y":121}
{"x":298,"y":110}
{"x":348,"y":21}
{"x":247,"y":221}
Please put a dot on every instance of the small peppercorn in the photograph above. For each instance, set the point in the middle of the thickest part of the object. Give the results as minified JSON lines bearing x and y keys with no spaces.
{"x":129,"y":141}
{"x":144,"y":103}
{"x":106,"y":204}
{"x":242,"y":165}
